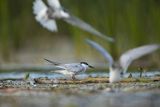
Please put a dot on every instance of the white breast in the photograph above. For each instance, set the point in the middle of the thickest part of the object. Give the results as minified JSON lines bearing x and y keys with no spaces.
{"x":64,"y":72}
{"x":114,"y":75}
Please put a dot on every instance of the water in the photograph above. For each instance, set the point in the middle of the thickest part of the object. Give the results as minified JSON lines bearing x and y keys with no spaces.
{"x":50,"y":75}
{"x":19,"y":93}
{"x":103,"y":99}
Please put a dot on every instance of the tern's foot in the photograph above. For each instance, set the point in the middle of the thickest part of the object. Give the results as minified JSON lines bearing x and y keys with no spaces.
{"x":74,"y":78}
{"x":130,"y":75}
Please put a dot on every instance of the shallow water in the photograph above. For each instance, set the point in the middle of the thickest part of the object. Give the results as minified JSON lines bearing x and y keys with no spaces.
{"x":50,"y":75}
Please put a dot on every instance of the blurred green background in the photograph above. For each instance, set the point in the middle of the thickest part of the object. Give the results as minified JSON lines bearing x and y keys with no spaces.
{"x":130,"y":22}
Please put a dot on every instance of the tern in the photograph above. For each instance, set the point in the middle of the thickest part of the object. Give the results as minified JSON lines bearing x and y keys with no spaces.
{"x":47,"y":15}
{"x":70,"y":69}
{"x":118,"y":68}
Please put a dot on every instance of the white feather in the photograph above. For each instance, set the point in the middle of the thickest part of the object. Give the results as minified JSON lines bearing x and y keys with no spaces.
{"x":56,"y":12}
{"x":55,"y":4}
{"x":39,"y":7}
{"x":64,"y":72}
{"x":127,"y":58}
{"x":40,"y":10}
{"x":114,"y":75}
{"x":50,"y":25}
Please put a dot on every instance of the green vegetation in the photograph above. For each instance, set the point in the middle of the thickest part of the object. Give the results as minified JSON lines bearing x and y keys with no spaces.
{"x":130,"y":22}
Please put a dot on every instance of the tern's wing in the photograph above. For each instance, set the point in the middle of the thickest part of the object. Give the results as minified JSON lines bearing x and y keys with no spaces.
{"x":81,"y":24}
{"x":127,"y":58}
{"x":52,"y":62}
{"x":39,"y":6}
{"x":74,"y":67}
{"x":55,"y":4}
{"x":104,"y":52}
{"x":40,"y":10}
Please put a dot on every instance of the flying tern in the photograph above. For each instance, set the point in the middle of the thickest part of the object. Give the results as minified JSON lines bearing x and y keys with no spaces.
{"x":47,"y":14}
{"x":118,"y":68}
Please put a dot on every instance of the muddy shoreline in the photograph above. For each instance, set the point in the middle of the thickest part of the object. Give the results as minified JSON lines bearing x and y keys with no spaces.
{"x":91,"y":91}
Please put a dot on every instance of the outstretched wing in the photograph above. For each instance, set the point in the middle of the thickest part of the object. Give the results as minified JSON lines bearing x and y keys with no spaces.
{"x":40,"y":10}
{"x":127,"y":58}
{"x":81,"y":24}
{"x":104,"y":52}
{"x":54,"y":4}
{"x":38,"y":7}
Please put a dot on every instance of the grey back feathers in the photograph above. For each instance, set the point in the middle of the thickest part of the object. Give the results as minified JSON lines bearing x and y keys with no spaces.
{"x":73,"y":67}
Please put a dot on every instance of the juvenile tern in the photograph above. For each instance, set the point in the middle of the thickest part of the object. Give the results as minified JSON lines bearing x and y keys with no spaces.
{"x":70,"y":69}
{"x":118,"y":68}
{"x":47,"y":14}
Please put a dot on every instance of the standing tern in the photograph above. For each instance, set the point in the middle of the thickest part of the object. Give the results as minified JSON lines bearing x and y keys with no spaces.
{"x":47,"y":15}
{"x":118,"y":68}
{"x":70,"y":69}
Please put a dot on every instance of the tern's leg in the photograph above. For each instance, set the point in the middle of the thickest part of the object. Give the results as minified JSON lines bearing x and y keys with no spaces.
{"x":73,"y":77}
{"x":130,"y":75}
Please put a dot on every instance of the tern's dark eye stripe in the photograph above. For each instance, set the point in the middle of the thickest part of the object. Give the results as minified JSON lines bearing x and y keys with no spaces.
{"x":84,"y":63}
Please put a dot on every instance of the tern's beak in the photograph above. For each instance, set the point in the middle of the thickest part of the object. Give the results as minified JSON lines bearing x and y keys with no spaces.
{"x":91,"y":66}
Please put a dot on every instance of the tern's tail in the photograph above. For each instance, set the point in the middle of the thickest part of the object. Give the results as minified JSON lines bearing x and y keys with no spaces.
{"x":52,"y":62}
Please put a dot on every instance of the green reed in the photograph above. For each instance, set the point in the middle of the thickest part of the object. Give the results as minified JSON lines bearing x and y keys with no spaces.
{"x":130,"y":22}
